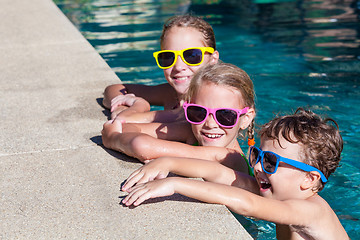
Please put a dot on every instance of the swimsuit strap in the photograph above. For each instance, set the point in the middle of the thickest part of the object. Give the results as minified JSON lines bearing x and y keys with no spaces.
{"x":250,"y":170}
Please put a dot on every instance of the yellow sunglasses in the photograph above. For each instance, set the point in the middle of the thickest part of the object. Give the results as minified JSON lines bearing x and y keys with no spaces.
{"x":191,"y":56}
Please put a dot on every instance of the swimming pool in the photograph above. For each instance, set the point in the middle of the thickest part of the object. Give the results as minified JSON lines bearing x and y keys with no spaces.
{"x":298,"y":53}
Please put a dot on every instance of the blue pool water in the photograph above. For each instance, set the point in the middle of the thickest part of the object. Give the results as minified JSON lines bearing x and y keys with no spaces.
{"x":298,"y":53}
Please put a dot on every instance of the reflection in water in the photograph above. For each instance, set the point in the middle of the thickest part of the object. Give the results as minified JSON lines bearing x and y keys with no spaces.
{"x":322,"y":30}
{"x":316,"y":30}
{"x":298,"y":53}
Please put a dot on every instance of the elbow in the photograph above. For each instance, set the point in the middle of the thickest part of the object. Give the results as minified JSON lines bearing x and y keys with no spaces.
{"x":244,"y":207}
{"x":107,"y":98}
{"x":142,"y":147}
{"x":143,"y":104}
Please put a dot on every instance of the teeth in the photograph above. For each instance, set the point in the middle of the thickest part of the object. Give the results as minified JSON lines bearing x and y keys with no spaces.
{"x":181,"y":78}
{"x":262,"y":180}
{"x":265,"y":184}
{"x":213,"y":135}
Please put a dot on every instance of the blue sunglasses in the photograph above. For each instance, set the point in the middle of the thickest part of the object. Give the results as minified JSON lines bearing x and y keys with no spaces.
{"x":270,"y":162}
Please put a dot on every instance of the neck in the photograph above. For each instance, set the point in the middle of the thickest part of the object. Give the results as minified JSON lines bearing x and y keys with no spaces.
{"x":234,"y":145}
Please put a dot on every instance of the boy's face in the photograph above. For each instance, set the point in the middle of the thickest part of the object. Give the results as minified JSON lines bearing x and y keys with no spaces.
{"x":286,"y":182}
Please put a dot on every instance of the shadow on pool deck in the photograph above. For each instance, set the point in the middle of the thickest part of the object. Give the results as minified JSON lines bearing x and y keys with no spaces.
{"x":57,"y":181}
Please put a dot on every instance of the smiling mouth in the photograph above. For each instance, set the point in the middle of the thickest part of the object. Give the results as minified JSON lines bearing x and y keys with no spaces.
{"x":264,"y":185}
{"x":181,"y":79}
{"x":212,"y":136}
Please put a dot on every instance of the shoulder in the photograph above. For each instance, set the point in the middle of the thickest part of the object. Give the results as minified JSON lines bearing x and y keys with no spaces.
{"x":316,"y":218}
{"x":232,"y":158}
{"x":169,"y":96}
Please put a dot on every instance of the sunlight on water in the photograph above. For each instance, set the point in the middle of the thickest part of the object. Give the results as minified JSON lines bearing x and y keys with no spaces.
{"x":298,"y":53}
{"x":140,"y":45}
{"x":119,"y":35}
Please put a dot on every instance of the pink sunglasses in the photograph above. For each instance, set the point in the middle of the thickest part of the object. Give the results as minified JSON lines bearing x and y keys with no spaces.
{"x":224,"y":117}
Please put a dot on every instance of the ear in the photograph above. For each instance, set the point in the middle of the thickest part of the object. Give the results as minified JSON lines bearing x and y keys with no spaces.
{"x":247,"y":118}
{"x":214,"y":57}
{"x":310,"y":180}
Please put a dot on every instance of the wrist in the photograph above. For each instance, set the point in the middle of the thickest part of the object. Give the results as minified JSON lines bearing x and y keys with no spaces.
{"x":173,"y":183}
{"x":112,"y":140}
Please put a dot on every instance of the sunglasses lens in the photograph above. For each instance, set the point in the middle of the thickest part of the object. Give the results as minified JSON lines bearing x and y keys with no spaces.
{"x":254,"y":156}
{"x":269,"y":162}
{"x":196,"y":114}
{"x":226,"y":117}
{"x":193,"y":56}
{"x":165,"y":59}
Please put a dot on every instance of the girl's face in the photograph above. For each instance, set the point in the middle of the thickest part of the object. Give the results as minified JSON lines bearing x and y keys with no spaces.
{"x":210,"y":133}
{"x":286,"y":181}
{"x":178,"y":38}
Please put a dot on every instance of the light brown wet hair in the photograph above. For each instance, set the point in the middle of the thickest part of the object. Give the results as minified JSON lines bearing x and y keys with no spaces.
{"x":320,"y":139}
{"x":190,"y":21}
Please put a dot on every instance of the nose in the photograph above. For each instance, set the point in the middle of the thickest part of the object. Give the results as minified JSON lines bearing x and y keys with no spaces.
{"x":210,"y":121}
{"x":179,"y":64}
{"x":257,"y":167}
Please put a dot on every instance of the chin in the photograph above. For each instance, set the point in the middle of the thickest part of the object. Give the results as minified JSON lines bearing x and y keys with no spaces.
{"x":266,"y":194}
{"x":212,"y":143}
{"x":181,"y":89}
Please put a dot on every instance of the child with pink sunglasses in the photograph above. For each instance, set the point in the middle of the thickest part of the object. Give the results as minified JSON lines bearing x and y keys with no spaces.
{"x":219,"y":105}
{"x":187,"y":43}
{"x":296,"y":156}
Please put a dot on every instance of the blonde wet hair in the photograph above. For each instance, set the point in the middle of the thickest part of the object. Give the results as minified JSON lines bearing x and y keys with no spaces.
{"x":190,"y":21}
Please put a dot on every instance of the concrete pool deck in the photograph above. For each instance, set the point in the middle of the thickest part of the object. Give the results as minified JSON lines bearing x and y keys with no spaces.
{"x":57,"y":181}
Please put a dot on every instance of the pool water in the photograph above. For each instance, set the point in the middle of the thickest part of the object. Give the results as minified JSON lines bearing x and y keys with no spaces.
{"x":298,"y":53}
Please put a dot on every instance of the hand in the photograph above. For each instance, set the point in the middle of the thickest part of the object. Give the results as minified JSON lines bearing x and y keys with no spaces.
{"x":110,"y":127}
{"x":155,"y":169}
{"x":153,"y":189}
{"x":117,"y":111}
{"x":123,"y":100}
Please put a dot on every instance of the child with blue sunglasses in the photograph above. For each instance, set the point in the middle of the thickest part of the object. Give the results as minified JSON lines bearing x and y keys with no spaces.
{"x":219,"y":105}
{"x":296,"y":156}
{"x":187,"y":43}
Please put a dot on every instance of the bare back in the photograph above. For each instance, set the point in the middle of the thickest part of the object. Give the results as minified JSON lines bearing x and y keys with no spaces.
{"x":324,"y":225}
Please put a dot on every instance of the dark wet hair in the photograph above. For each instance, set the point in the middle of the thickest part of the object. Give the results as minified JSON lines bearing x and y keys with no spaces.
{"x":190,"y":21}
{"x":320,"y":138}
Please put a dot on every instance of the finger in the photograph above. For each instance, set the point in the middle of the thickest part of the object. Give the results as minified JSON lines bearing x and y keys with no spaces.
{"x":134,"y":195}
{"x":121,"y":98}
{"x":146,"y":178}
{"x":140,"y":178}
{"x":161,"y":175}
{"x":142,"y":198}
{"x":117,"y":102}
{"x":139,"y":197}
{"x":131,"y":181}
{"x":117,"y":98}
{"x":133,"y":174}
{"x":114,"y":106}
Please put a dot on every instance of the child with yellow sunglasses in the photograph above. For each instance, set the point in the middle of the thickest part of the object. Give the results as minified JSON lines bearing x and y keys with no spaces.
{"x":187,"y":43}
